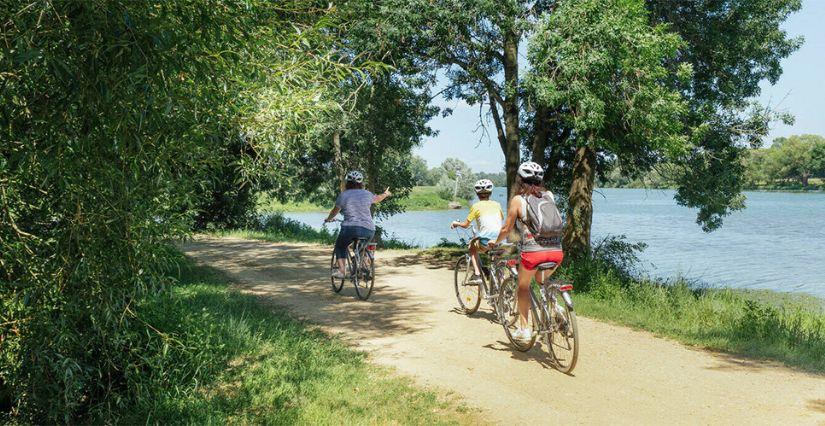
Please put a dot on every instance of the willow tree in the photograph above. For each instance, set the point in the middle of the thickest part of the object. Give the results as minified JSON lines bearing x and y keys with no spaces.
{"x":601,"y":66}
{"x":113,"y":115}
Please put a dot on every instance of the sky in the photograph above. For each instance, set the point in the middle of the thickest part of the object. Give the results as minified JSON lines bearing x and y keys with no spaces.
{"x":800,"y":91}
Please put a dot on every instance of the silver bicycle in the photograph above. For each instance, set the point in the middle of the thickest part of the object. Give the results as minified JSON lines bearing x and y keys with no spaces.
{"x":552,"y":318}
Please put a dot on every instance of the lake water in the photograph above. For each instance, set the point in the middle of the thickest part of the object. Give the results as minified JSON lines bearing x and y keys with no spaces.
{"x":777,"y":242}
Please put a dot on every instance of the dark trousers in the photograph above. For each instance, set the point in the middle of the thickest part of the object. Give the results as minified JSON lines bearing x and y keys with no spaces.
{"x":347,"y":234}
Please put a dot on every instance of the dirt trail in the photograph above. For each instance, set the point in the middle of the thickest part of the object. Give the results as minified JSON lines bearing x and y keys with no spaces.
{"x":409,"y":323}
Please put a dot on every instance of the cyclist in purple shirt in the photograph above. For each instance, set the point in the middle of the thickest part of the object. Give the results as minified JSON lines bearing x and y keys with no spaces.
{"x":354,"y":203}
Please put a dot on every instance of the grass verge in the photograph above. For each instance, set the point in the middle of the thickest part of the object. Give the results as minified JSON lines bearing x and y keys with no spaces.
{"x":228,"y":359}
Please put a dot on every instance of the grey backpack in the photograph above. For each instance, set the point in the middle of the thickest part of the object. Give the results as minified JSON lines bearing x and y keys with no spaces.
{"x":543,"y":217}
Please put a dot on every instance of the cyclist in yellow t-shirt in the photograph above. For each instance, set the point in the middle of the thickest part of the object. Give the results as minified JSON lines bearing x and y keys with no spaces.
{"x":488,"y":216}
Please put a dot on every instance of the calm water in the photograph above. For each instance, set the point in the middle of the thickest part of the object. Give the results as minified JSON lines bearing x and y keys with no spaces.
{"x":777,"y":242}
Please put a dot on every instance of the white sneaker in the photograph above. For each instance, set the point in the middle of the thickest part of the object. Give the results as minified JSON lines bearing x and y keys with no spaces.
{"x":523,"y":334}
{"x":337,"y":275}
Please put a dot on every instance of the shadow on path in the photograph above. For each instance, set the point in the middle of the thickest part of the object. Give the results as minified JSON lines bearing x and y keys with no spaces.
{"x":289,"y":276}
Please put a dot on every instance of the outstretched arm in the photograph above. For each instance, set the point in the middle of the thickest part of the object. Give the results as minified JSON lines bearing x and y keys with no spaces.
{"x":332,"y":213}
{"x":380,"y":197}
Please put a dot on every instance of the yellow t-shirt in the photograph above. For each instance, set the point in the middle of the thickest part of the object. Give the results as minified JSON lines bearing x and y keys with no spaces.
{"x":488,"y":216}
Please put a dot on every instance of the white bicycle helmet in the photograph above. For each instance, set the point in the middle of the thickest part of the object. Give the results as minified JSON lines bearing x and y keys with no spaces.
{"x":483,"y":185}
{"x":355,"y":176}
{"x":531,"y":172}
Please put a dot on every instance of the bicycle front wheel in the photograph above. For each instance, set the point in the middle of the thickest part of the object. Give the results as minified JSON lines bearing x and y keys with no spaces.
{"x":468,"y":295}
{"x":365,"y":276}
{"x":563,"y":341}
{"x":337,"y":284}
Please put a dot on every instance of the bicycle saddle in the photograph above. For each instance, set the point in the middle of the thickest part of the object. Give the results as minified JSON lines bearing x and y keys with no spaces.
{"x":546,"y":265}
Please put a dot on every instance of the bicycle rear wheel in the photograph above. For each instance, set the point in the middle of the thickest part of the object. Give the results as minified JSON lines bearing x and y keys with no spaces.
{"x":364,"y":276}
{"x":508,"y":311}
{"x":337,"y":285}
{"x":468,"y":295}
{"x":563,"y":341}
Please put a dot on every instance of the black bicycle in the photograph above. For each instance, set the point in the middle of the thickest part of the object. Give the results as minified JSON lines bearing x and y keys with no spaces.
{"x":360,"y":267}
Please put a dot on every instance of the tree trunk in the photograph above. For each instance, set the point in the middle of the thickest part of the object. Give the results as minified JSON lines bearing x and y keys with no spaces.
{"x":511,"y":108}
{"x":580,"y":210}
{"x":339,"y":160}
{"x":541,"y":129}
{"x":804,"y":179}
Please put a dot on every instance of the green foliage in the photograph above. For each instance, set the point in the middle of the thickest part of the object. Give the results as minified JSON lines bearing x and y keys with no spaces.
{"x":418,"y":170}
{"x":387,"y":119}
{"x":456,"y":180}
{"x":116,"y":115}
{"x":793,"y":158}
{"x":499,"y":179}
{"x":227,"y":358}
{"x":731,"y":45}
{"x":602,"y":63}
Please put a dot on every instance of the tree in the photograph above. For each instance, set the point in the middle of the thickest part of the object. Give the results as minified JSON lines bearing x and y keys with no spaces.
{"x":731,"y":46}
{"x":418,"y":169}
{"x":796,"y":157}
{"x":456,"y":180}
{"x":386,"y":120}
{"x":499,"y":179}
{"x":477,"y":42}
{"x":115,"y":115}
{"x":601,"y":63}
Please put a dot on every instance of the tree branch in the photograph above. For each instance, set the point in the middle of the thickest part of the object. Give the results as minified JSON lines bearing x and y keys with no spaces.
{"x":502,"y":139}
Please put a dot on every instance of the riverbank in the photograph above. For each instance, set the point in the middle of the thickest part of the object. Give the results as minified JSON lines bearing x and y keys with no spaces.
{"x":421,"y":198}
{"x":228,"y":358}
{"x":767,"y":325}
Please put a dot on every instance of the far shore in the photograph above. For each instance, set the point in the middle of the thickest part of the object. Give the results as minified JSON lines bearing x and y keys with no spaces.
{"x":425,"y":199}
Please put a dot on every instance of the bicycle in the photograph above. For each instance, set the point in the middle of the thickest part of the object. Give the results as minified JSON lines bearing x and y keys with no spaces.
{"x":360,"y":267}
{"x":552,"y":318}
{"x":469,"y":294}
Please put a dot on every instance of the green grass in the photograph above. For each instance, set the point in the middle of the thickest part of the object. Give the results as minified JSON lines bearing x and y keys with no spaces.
{"x":766,"y":325}
{"x":229,"y":359}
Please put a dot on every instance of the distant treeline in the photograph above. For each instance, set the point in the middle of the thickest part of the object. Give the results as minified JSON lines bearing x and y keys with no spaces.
{"x":444,"y":177}
{"x":794,"y":162}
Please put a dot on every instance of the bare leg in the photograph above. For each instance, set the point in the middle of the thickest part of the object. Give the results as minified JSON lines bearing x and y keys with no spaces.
{"x":524,"y":278}
{"x":473,"y":258}
{"x":342,"y":263}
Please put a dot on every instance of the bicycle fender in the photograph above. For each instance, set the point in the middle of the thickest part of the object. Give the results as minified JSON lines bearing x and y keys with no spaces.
{"x":567,"y":299}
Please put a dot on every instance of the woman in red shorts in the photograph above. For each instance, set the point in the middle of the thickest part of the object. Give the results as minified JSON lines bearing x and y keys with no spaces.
{"x":534,"y":251}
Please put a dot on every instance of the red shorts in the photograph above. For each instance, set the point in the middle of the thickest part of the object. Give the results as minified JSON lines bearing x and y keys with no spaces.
{"x":530,"y":260}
